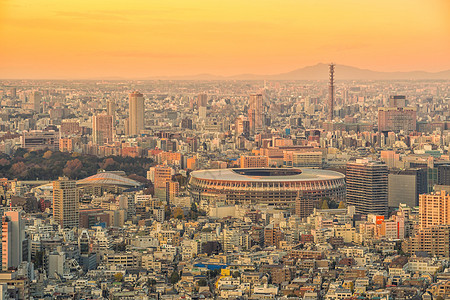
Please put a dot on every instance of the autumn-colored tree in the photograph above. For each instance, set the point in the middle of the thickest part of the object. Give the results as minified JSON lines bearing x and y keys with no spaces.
{"x":178,"y":213}
{"x":108,"y":162}
{"x":72,"y":167}
{"x":4,"y":162}
{"x":18,"y":168}
{"x":47,"y":154}
{"x":118,"y":277}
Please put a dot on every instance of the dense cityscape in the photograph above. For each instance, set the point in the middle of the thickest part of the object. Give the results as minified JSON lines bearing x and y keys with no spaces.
{"x":226,"y":189}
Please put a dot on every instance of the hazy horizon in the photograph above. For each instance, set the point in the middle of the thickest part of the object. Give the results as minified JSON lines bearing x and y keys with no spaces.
{"x":139,"y":39}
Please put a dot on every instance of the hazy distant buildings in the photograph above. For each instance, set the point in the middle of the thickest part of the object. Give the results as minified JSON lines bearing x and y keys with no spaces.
{"x":65,"y":202}
{"x":397,"y":117}
{"x":202,"y":100}
{"x":202,"y":103}
{"x":35,"y":101}
{"x":367,"y":186}
{"x":111,"y":108}
{"x":136,"y":113}
{"x":242,"y":126}
{"x":102,"y":129}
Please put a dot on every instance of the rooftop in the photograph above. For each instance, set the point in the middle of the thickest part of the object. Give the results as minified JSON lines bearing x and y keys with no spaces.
{"x":267,"y":174}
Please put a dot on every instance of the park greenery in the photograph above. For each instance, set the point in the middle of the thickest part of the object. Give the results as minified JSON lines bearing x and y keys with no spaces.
{"x":48,"y":165}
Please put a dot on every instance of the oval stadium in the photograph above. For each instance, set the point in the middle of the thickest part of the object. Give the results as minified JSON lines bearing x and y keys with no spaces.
{"x":272,"y":186}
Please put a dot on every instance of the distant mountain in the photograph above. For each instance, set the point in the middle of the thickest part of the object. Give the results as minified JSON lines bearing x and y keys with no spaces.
{"x":320,"y":72}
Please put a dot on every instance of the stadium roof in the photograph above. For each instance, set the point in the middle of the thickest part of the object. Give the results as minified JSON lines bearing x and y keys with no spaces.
{"x":267,"y":174}
{"x":106,"y":178}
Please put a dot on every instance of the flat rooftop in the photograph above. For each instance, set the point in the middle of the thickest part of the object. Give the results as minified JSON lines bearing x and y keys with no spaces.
{"x":267,"y":174}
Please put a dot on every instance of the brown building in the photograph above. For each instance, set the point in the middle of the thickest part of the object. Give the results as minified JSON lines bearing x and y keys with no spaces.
{"x":65,"y":202}
{"x":102,"y":129}
{"x":272,"y":236}
{"x":397,"y":118}
{"x":136,"y":113}
{"x":434,"y":209}
{"x":91,"y":217}
{"x":434,"y":240}
{"x":70,"y":127}
{"x":254,"y":161}
{"x":255,"y":112}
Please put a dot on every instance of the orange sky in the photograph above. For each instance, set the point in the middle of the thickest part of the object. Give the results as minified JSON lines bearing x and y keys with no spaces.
{"x":139,"y":38}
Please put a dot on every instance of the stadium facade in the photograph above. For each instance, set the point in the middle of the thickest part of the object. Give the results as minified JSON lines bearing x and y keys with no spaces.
{"x":280,"y":187}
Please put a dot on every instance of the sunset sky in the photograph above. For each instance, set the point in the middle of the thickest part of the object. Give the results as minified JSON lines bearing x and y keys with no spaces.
{"x":138,"y":39}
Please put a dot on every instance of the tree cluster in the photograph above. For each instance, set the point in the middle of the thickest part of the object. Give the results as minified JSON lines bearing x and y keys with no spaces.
{"x":48,"y":165}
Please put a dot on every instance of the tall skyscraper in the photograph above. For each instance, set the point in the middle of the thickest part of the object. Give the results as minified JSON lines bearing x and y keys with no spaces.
{"x":202,"y":100}
{"x":367,"y":186}
{"x":102,"y":129}
{"x":331,"y":94}
{"x":111,"y":109}
{"x":35,"y":101}
{"x":255,"y":112}
{"x":136,"y":114}
{"x":65,"y":202}
{"x":14,"y":245}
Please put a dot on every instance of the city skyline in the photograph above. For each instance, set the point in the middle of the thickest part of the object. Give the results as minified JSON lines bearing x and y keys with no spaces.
{"x":139,"y":40}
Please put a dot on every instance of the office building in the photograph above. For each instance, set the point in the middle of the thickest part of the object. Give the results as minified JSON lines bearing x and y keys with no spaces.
{"x":254,"y":161}
{"x":272,"y":236}
{"x":242,"y":126}
{"x":14,"y":245}
{"x":160,"y":176}
{"x":255,"y":112}
{"x":367,"y":186}
{"x":444,"y":174}
{"x":397,"y":101}
{"x":202,"y":100}
{"x":303,"y":159}
{"x":434,"y":209}
{"x":136,"y":114}
{"x":397,"y":119}
{"x":111,"y":109}
{"x":405,"y":186}
{"x":102,"y":129}
{"x":65,"y":202}
{"x":434,"y":240}
{"x":35,"y":101}
{"x":40,"y":140}
{"x":172,"y":190}
{"x":70,"y":127}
